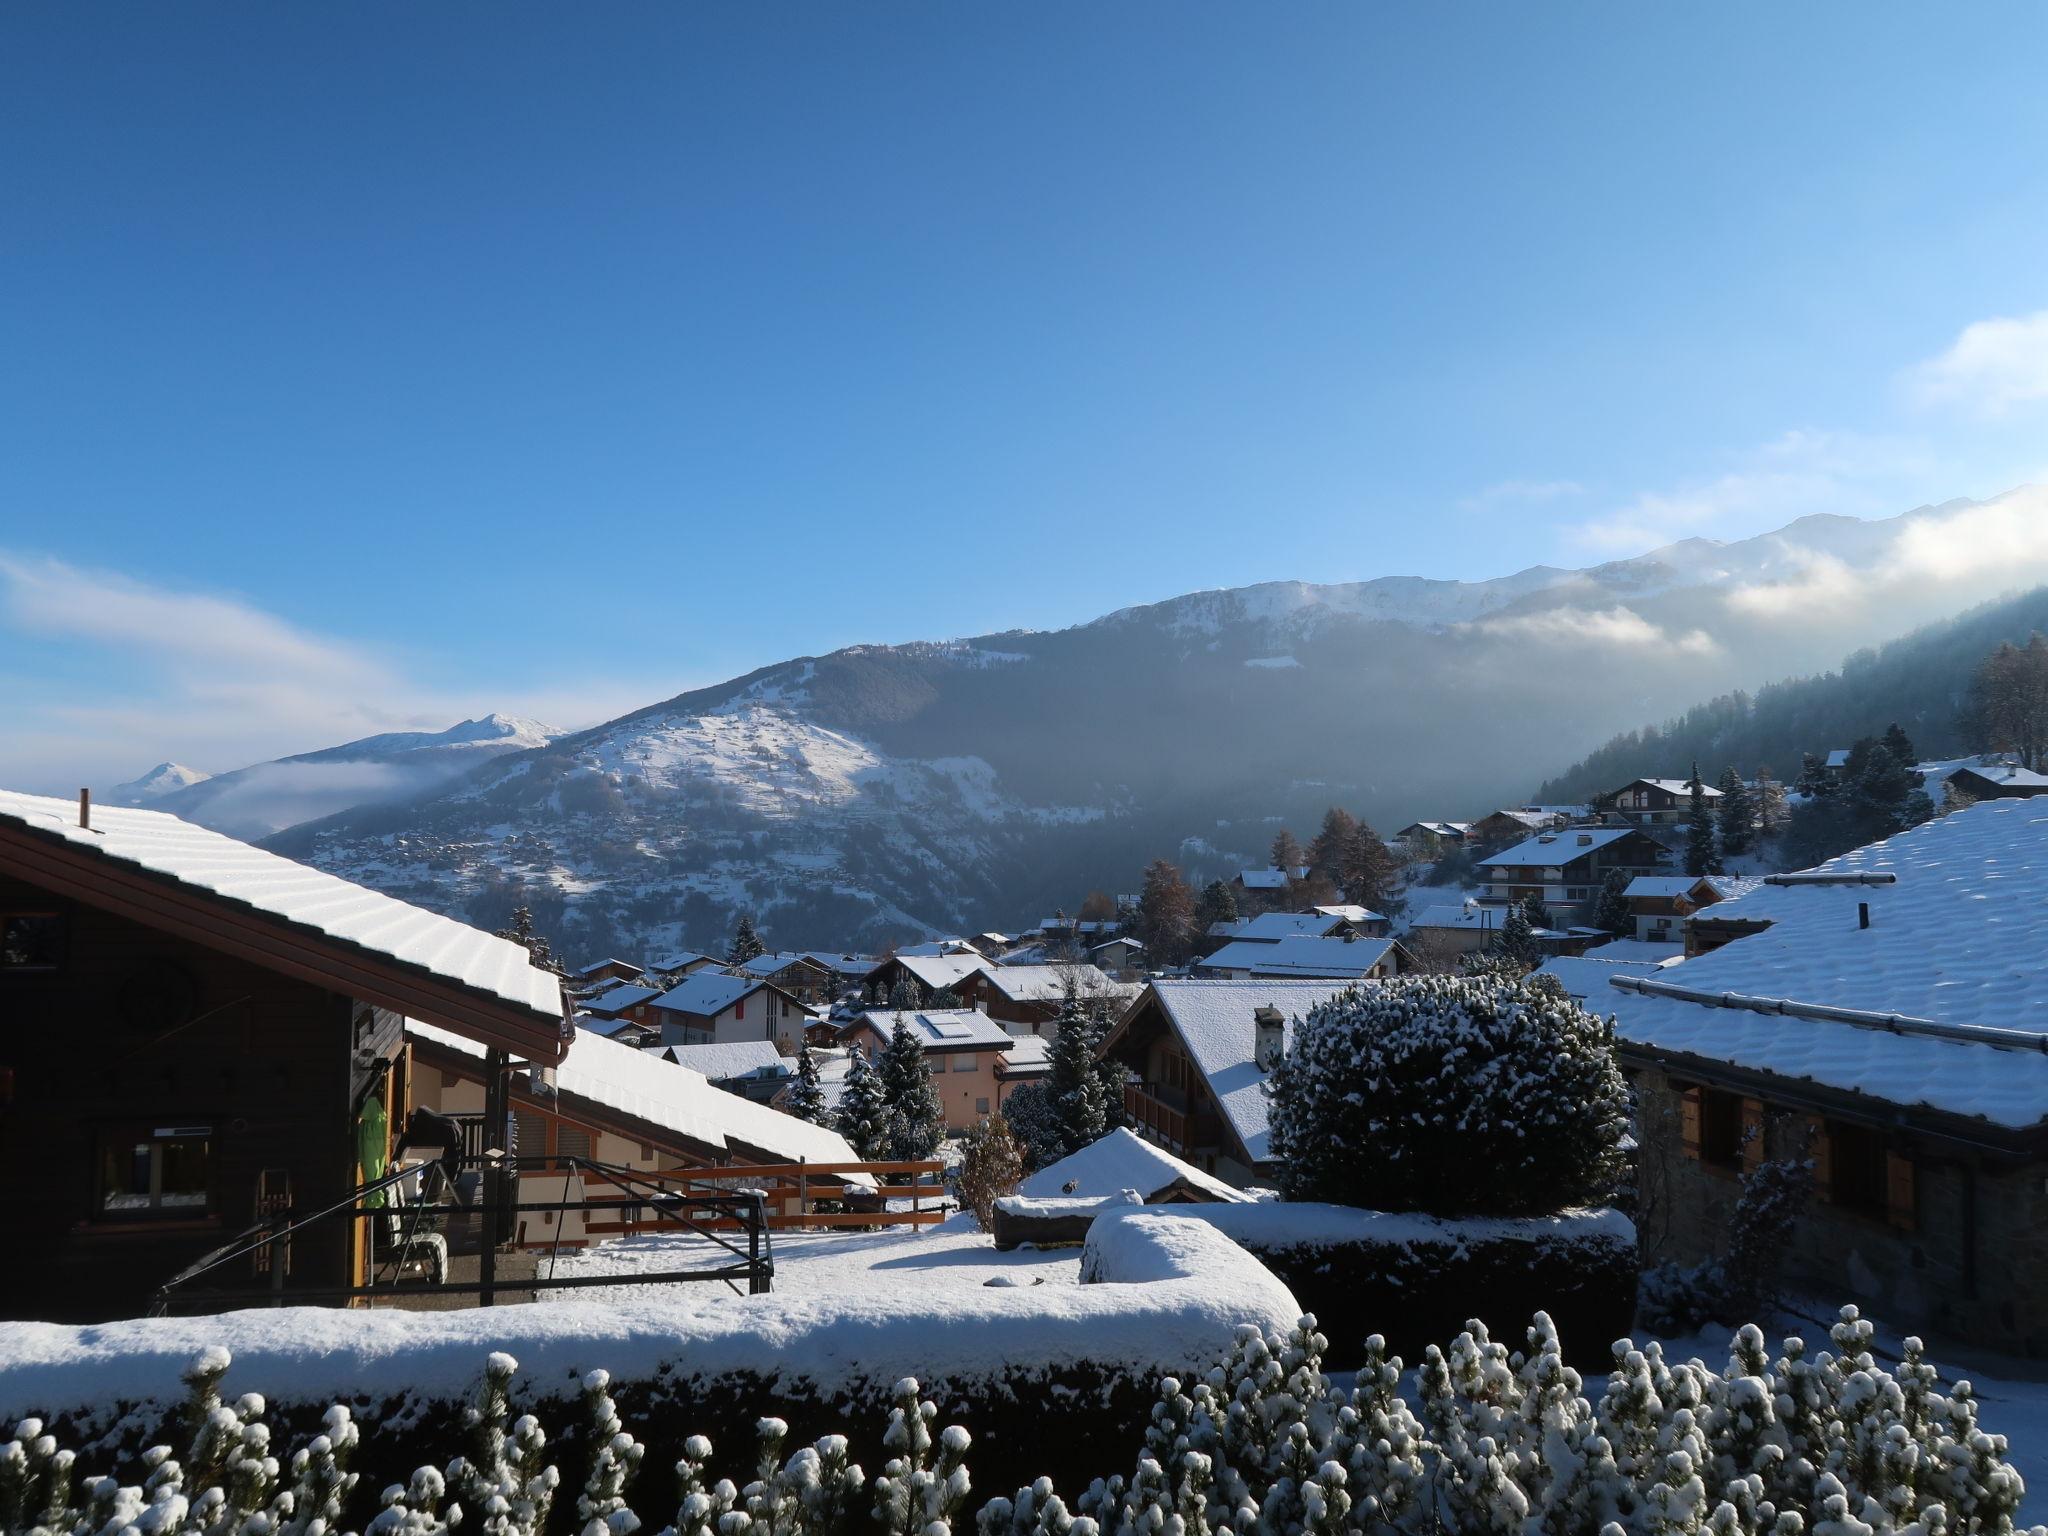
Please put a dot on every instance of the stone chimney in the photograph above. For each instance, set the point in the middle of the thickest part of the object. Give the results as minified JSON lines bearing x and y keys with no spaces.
{"x":1269,"y":1037}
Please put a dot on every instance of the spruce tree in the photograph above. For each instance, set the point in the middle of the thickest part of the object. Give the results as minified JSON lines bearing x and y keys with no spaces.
{"x":917,"y":1119}
{"x":1610,"y":910}
{"x":1899,"y":744}
{"x":1737,"y":814}
{"x":1537,"y":911}
{"x":1076,"y":1088}
{"x":863,"y":1117}
{"x":1516,"y":941}
{"x":1217,"y":905}
{"x":807,"y":1096}
{"x":1330,"y":851}
{"x":536,"y":944}
{"x":1700,"y":855}
{"x":746,"y":943}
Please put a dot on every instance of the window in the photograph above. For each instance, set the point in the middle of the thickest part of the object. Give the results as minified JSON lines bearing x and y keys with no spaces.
{"x":156,"y":1171}
{"x":1860,"y":1172}
{"x":739,"y":1009}
{"x":1715,"y":1127}
{"x":31,"y":941}
{"x":572,"y":1141}
{"x":981,"y":1106}
{"x":965,"y":1062}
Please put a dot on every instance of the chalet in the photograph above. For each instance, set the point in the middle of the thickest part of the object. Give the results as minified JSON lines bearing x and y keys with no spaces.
{"x":1027,"y":998}
{"x":1836,"y":763}
{"x":1199,"y":1052}
{"x":608,"y":1103}
{"x":1365,"y":922}
{"x":1432,"y":839}
{"x":1349,"y":959}
{"x":755,"y":1068}
{"x":2006,"y":781}
{"x":990,"y":944}
{"x":1659,"y":802}
{"x":1322,"y":923}
{"x":1268,"y":882}
{"x":962,"y":1050}
{"x":1886,"y":1018}
{"x":1447,"y":929}
{"x":714,"y":1008}
{"x":602,"y":971}
{"x":802,"y":976}
{"x":1120,"y":956}
{"x":201,"y":1034}
{"x":1660,"y":904}
{"x":929,"y":974}
{"x":625,"y":1002}
{"x":673,"y":968}
{"x":1510,"y":825}
{"x":1565,"y":868}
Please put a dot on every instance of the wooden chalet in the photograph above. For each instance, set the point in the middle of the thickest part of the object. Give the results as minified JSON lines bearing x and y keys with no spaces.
{"x":200,"y":1034}
{"x":1659,"y":802}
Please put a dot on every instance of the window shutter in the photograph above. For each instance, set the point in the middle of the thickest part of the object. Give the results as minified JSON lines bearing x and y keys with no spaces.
{"x":1752,"y":1135}
{"x":1689,"y":1123}
{"x":1900,"y":1208}
{"x":1820,"y":1147}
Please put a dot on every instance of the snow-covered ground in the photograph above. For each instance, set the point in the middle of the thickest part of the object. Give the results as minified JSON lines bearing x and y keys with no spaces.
{"x":953,"y":1255}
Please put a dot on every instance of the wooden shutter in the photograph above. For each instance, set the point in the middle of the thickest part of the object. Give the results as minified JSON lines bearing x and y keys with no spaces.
{"x":1820,"y":1147}
{"x":1900,"y":1208}
{"x":572,"y":1141}
{"x":1752,"y":1135}
{"x":1689,"y":1123}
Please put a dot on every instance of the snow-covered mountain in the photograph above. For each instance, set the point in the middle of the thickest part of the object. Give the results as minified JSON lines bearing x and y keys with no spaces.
{"x":883,"y":791}
{"x":266,"y":797}
{"x":164,"y":779}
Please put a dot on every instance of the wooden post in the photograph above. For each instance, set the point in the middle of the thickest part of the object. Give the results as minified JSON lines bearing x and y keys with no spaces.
{"x":803,"y":1187}
{"x":494,"y":1178}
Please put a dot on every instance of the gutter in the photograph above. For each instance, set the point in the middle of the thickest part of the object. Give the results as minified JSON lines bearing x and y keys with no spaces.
{"x":1891,"y":1023}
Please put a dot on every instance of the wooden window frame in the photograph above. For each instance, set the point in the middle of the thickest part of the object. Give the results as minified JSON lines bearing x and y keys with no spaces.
{"x":60,"y":918}
{"x":113,"y":1135}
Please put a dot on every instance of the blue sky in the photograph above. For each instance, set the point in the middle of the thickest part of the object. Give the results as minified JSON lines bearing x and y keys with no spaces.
{"x":371,"y":364}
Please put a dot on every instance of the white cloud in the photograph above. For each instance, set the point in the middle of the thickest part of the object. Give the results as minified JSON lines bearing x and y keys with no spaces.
{"x":1616,"y":626}
{"x":209,"y":680}
{"x":1991,"y":368}
{"x":1522,"y":491}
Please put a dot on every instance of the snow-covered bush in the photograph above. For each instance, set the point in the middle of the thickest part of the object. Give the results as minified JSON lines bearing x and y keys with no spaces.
{"x":1503,"y":1441}
{"x":991,"y":1166}
{"x":1458,"y":1096}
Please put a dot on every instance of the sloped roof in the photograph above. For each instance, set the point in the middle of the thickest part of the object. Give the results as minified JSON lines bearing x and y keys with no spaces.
{"x":1263,"y":879}
{"x":1560,"y":847}
{"x":1352,"y":912}
{"x":617,"y":1000}
{"x":1585,"y":978}
{"x":1958,"y":938}
{"x":1634,"y":952}
{"x":1679,"y":786}
{"x":1306,"y":957}
{"x":1214,"y":1021}
{"x":939,"y":972}
{"x":1048,"y":983}
{"x":1121,"y":1161}
{"x":735,"y":1058}
{"x":1665,"y":886}
{"x":942,"y":1029}
{"x":707,"y":992}
{"x":597,"y":965}
{"x":1467,"y":914}
{"x":229,"y":873}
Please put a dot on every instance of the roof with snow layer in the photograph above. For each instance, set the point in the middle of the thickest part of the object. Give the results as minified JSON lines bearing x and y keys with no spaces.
{"x":1561,"y":847}
{"x":1121,"y":1161}
{"x":941,"y":1029}
{"x":178,"y":863}
{"x":1307,"y":957}
{"x":705,"y":993}
{"x":1947,"y":989}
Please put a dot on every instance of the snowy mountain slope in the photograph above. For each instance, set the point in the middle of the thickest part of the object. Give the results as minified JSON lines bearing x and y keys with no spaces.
{"x":164,"y":779}
{"x":263,"y":798}
{"x":884,"y":791}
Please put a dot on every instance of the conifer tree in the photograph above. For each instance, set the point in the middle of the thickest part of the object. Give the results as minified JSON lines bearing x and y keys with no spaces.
{"x":1166,"y":914}
{"x":1330,"y":851}
{"x":863,"y":1117}
{"x":1369,"y":869}
{"x":1516,"y":941}
{"x":1899,"y":744}
{"x":917,"y":1119}
{"x":807,"y":1096}
{"x":1737,"y":814}
{"x":1610,"y":911}
{"x":746,"y":943}
{"x":1537,"y":911}
{"x":536,"y":944}
{"x":1701,"y":857}
{"x":1287,"y":854}
{"x":1769,"y":796}
{"x":1075,"y":1087}
{"x":1216,"y":905}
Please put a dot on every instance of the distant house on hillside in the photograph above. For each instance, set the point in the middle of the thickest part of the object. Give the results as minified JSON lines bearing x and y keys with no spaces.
{"x":1509,"y":825}
{"x":602,"y":971}
{"x":1199,"y":1052}
{"x":932,"y":974}
{"x":962,"y":1049}
{"x":1350,"y":959}
{"x":1322,"y":923}
{"x":1885,"y":1018}
{"x":1432,"y":839}
{"x":1268,"y":882}
{"x":1448,"y":929}
{"x":624,"y":1004}
{"x":1565,"y":868}
{"x":1660,"y":904}
{"x":1027,"y":998}
{"x":714,"y":1008}
{"x":687,"y":962}
{"x":755,"y":1068}
{"x":1660,"y":802}
{"x":1120,"y":956}
{"x":800,"y":975}
{"x":2006,"y":781}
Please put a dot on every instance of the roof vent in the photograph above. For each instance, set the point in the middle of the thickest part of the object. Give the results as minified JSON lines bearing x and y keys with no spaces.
{"x":1585,"y":839}
{"x":1269,"y":1037}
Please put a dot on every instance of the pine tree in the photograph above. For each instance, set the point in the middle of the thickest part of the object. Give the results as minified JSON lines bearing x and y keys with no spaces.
{"x":1899,"y":744}
{"x":1610,"y":911}
{"x":1075,"y":1086}
{"x":1701,"y":857}
{"x":746,"y":944}
{"x":1330,"y":852}
{"x":1737,"y":814}
{"x":1537,"y":911}
{"x":807,"y":1096}
{"x":1166,"y":914}
{"x":863,"y":1117}
{"x":917,"y":1119}
{"x":1287,"y":854}
{"x":1516,"y":941}
{"x":1769,"y":797}
{"x":536,"y":944}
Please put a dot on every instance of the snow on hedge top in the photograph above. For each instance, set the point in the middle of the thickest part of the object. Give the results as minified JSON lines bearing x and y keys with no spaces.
{"x":642,"y":1085}
{"x":1960,"y":936}
{"x":249,"y":876}
{"x":1214,"y":1021}
{"x":1121,"y":1161}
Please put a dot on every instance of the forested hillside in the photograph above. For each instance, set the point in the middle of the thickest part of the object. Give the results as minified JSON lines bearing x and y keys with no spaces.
{"x":1921,"y":681}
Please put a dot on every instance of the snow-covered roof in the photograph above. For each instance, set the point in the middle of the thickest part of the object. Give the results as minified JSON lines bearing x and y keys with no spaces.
{"x":1026,"y":1054}
{"x":1214,"y":1021}
{"x":248,"y":876}
{"x":936,"y":947}
{"x":1270,"y":926}
{"x":1121,"y":1161}
{"x":769,"y":964}
{"x":1585,"y":977}
{"x":1679,"y":786}
{"x":681,"y":958}
{"x":2009,"y":775}
{"x":642,"y":1085}
{"x":1122,"y":939}
{"x":1838,"y":758}
{"x":942,"y":1029}
{"x":735,"y":1058}
{"x":1958,"y":938}
{"x":705,"y":993}
{"x":1352,"y":912}
{"x":1467,"y":914}
{"x":596,"y":966}
{"x":1439,"y":828}
{"x":939,"y":972}
{"x":1263,"y":879}
{"x":1634,"y":952}
{"x":1560,"y":847}
{"x":1664,"y":886}
{"x":1307,"y":957}
{"x":1049,"y":983}
{"x":617,"y":1000}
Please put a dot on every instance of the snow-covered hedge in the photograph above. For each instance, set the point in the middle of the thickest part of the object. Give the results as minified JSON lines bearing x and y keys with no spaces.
{"x":995,"y":1359}
{"x":1459,"y":1096}
{"x":1413,"y":1278}
{"x":1262,"y":1445}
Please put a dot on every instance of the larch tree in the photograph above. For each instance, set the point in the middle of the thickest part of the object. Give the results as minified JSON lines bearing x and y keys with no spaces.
{"x":2009,"y":702}
{"x":1330,"y":851}
{"x":1287,"y":854}
{"x":1166,"y":914}
{"x":1369,"y":868}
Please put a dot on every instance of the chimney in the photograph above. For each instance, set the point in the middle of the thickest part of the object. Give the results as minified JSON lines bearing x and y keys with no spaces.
{"x":1862,"y":914}
{"x":1269,"y":1036}
{"x":85,"y":809}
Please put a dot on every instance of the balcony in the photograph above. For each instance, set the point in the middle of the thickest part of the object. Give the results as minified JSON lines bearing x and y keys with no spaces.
{"x":1156,"y":1118}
